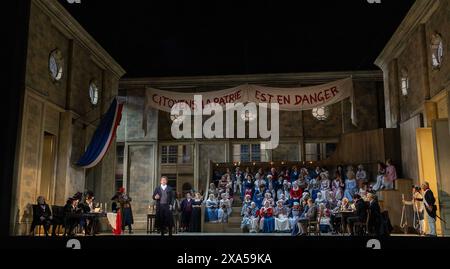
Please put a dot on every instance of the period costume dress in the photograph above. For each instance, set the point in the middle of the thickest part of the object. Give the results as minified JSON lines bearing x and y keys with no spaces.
{"x":258,"y":197}
{"x":390,"y":177}
{"x":380,"y":178}
{"x":196,"y":217}
{"x":314,"y":187}
{"x":267,"y":222}
{"x":164,"y":216}
{"x":211,"y":210}
{"x":126,"y":212}
{"x":186,"y":213}
{"x":337,"y":188}
{"x":248,"y":219}
{"x":324,"y":186}
{"x":350,"y":189}
{"x":281,"y":219}
{"x":294,"y":217}
{"x":361,"y":175}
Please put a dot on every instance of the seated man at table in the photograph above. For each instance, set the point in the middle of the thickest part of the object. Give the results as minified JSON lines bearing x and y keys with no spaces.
{"x":360,"y":213}
{"x":72,"y":215}
{"x":87,"y":206}
{"x":310,"y":214}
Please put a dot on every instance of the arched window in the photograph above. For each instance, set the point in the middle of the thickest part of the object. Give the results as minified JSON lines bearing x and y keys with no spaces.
{"x":321,"y":113}
{"x":404,"y":82}
{"x":437,"y":50}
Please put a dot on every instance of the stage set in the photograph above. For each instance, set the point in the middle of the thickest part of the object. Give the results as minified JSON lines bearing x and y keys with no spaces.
{"x":93,"y":146}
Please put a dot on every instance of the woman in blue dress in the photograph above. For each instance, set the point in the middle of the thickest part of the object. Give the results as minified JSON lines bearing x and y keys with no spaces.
{"x":259,"y":196}
{"x":211,"y":209}
{"x":350,"y":186}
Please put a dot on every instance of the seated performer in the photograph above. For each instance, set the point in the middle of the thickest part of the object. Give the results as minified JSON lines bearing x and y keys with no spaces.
{"x":42,"y":215}
{"x":258,"y":197}
{"x":250,"y":218}
{"x":309,"y":215}
{"x":320,"y":200}
{"x":211,"y":209}
{"x":294,"y":216}
{"x":350,"y":186}
{"x":314,"y":187}
{"x":281,"y":217}
{"x":360,"y":213}
{"x":295,"y":193}
{"x":222,"y":215}
{"x":267,"y":222}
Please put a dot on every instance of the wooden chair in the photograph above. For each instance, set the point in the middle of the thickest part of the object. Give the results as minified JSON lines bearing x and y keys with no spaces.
{"x":58,"y":222}
{"x":313,"y":227}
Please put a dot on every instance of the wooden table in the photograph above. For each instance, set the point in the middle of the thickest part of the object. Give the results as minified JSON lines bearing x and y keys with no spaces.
{"x":344,"y":215}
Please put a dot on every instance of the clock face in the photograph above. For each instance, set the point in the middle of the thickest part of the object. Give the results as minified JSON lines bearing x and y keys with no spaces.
{"x":93,"y":93}
{"x":55,"y":65}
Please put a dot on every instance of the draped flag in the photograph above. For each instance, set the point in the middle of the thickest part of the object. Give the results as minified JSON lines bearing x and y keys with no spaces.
{"x":102,"y":137}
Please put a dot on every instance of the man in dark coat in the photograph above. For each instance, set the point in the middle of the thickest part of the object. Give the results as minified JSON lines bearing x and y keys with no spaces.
{"x":430,"y":207}
{"x":360,"y":212}
{"x":186,"y":211}
{"x":163,"y":195}
{"x":375,"y":215}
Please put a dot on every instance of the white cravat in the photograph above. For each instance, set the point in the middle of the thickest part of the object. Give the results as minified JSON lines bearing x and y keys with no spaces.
{"x":164,"y":187}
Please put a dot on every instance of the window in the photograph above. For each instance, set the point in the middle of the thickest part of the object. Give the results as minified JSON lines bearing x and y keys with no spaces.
{"x":247,"y":152}
{"x":404,"y":82}
{"x":319,"y":151}
{"x":321,"y":113}
{"x":93,"y":93}
{"x":169,"y":154}
{"x":55,"y":65}
{"x":312,"y":152}
{"x":437,"y":50}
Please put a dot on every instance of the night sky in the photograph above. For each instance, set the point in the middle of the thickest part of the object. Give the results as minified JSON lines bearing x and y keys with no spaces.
{"x":187,"y":38}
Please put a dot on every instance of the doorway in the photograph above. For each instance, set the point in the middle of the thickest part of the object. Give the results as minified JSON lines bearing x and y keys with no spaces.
{"x":48,"y":168}
{"x":427,"y":166}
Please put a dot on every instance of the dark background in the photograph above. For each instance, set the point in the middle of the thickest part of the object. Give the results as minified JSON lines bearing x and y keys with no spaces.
{"x":172,"y":38}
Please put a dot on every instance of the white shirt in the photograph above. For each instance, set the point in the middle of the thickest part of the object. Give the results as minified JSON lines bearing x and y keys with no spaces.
{"x":164,"y":187}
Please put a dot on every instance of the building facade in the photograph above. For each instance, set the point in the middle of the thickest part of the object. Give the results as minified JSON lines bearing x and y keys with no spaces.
{"x":70,"y":82}
{"x":416,"y":77}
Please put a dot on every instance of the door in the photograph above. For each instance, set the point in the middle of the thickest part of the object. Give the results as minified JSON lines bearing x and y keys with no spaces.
{"x":48,"y":168}
{"x":427,"y":166}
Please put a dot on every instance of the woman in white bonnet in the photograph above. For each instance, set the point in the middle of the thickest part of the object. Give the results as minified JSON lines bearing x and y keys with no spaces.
{"x":281,"y":217}
{"x":361,"y":174}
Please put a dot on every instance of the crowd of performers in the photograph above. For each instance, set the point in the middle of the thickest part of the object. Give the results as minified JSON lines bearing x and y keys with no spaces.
{"x":286,"y":200}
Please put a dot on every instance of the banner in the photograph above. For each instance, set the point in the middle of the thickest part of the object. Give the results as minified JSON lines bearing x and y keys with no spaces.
{"x":289,"y":99}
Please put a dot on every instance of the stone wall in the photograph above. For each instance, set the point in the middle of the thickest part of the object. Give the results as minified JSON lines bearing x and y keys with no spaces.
{"x":141,"y":181}
{"x":62,"y":109}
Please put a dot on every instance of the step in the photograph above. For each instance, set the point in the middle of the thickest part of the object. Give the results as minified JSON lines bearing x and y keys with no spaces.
{"x":214,"y":227}
{"x":233,"y":230}
{"x":232,"y":220}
